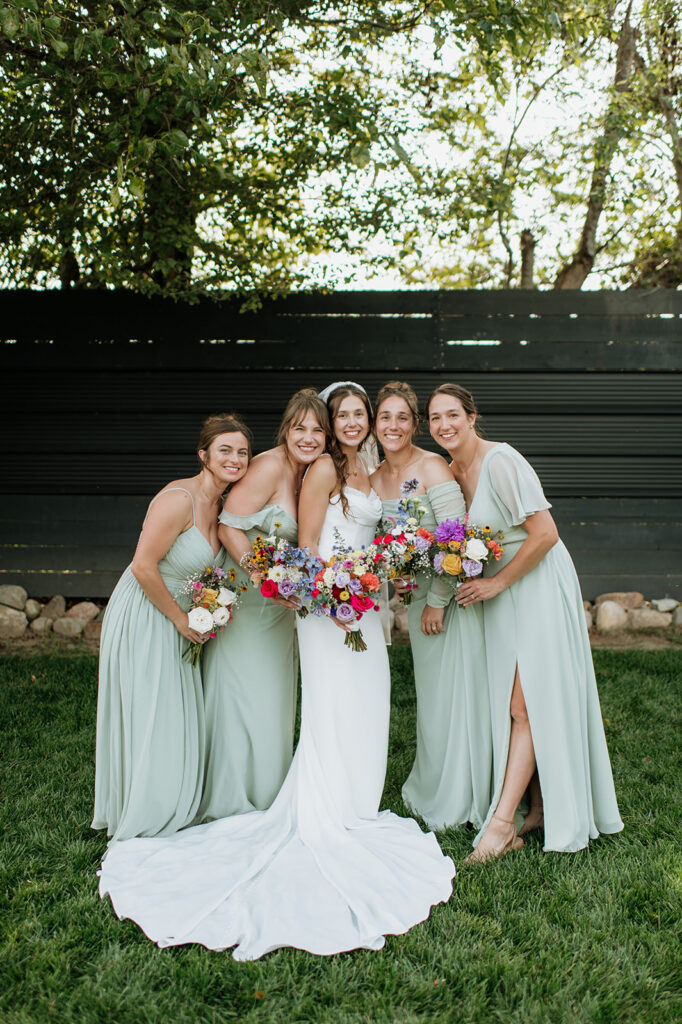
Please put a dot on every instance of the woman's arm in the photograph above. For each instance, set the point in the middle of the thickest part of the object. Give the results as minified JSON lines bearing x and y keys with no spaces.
{"x":249,"y":495}
{"x":436,"y":471}
{"x":168,"y":517}
{"x":318,"y":487}
{"x":542,"y":536}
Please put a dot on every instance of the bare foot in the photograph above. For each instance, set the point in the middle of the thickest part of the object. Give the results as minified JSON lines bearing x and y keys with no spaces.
{"x":534,"y":819}
{"x":499,"y":838}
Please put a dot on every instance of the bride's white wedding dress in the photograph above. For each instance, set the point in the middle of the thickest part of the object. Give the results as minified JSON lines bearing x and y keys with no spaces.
{"x":321,"y":869}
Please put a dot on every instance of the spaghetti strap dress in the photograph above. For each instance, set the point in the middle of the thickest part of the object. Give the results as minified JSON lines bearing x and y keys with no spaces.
{"x":249,"y":674}
{"x":538,"y":624}
{"x":451,"y":778}
{"x":150,"y":712}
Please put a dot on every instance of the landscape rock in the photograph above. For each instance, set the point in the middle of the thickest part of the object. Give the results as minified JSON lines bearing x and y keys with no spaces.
{"x":401,"y":621}
{"x":626,"y":598}
{"x":13,"y":597}
{"x":32,"y":609}
{"x":55,"y":608}
{"x":665,"y":604}
{"x":13,"y":623}
{"x":93,"y":630}
{"x":677,"y":618}
{"x":41,"y":625}
{"x":588,"y":618}
{"x":587,"y":605}
{"x":648,"y":618}
{"x":84,"y":610}
{"x":100,"y":614}
{"x":611,"y":617}
{"x":69,"y":626}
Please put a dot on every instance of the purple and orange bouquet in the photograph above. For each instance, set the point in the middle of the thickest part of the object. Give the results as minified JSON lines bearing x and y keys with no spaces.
{"x":213,"y":605}
{"x":461,"y":550}
{"x":344,"y":589}
{"x":405,"y":549}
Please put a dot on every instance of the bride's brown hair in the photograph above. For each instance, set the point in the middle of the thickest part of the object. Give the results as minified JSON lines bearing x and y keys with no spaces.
{"x":334,"y":448}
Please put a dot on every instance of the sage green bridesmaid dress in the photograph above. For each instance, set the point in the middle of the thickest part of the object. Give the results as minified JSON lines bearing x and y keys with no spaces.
{"x":249,"y":674}
{"x":150,"y":708}
{"x":538,"y":623}
{"x":450,"y":781}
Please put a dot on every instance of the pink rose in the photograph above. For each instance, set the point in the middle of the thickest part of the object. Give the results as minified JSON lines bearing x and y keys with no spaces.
{"x":268,"y":588}
{"x":361,"y":602}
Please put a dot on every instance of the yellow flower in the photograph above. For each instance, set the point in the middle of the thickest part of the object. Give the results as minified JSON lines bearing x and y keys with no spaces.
{"x":452,"y":565}
{"x":344,"y":595}
{"x":454,"y":545}
{"x":233,"y":575}
{"x":278,"y":525}
{"x":209,"y":595}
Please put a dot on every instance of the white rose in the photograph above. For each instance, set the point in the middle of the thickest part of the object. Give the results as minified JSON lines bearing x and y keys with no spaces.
{"x":399,"y":548}
{"x":226,"y":597}
{"x":476,"y":550}
{"x":201,"y":620}
{"x":221,"y":616}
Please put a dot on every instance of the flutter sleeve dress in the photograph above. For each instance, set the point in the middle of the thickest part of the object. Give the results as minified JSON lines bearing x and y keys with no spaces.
{"x":538,"y":624}
{"x":450,"y":781}
{"x":150,"y":709}
{"x":249,"y":673}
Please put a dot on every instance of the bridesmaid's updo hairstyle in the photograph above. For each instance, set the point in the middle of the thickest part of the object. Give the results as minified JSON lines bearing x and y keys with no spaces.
{"x":464,"y":397}
{"x":304,"y":401}
{"x":224,"y":423}
{"x":334,"y":448}
{"x":401,"y":390}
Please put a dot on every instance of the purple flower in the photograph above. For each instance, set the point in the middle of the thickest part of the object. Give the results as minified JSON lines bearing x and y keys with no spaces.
{"x":348,"y":564}
{"x":438,"y":561}
{"x":354,"y":586}
{"x":421,"y":543}
{"x":342,"y":579}
{"x":345,"y":613}
{"x":409,"y":487}
{"x":450,"y":529}
{"x":287,"y":588}
{"x":470,"y":567}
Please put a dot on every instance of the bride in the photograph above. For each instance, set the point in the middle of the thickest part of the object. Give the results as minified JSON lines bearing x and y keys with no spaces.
{"x":321,"y":869}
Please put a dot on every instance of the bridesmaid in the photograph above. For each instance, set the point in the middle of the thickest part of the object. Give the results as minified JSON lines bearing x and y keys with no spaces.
{"x":450,"y":782}
{"x":150,"y":718}
{"x":249,"y":671}
{"x":547,"y":724}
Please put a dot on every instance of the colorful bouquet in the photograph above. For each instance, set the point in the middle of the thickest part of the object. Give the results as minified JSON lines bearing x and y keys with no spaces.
{"x":213,"y":605}
{"x":405,"y":550}
{"x":281,"y":570}
{"x":343,"y":589}
{"x":460,"y":550}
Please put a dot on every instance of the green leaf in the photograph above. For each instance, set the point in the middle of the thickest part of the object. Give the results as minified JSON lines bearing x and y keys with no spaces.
{"x":60,"y":47}
{"x":115,"y":197}
{"x":360,"y":155}
{"x":137,"y":187}
{"x":9,"y":19}
{"x":78,"y":44}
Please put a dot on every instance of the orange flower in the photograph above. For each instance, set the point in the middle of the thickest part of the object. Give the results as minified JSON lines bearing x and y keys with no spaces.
{"x":370,"y":581}
{"x":423,"y":532}
{"x":452,"y":565}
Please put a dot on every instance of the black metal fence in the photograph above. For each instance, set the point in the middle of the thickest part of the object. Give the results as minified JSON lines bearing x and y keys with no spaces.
{"x":104,"y":394}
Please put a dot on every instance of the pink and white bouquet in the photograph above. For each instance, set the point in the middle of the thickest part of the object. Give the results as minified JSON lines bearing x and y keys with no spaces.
{"x":213,"y":605}
{"x":405,"y":549}
{"x":460,"y":550}
{"x":344,"y":589}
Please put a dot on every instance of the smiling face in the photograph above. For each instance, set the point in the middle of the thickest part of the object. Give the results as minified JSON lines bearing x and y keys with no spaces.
{"x":395,"y":424}
{"x":351,"y":422}
{"x":449,"y":423}
{"x":227,"y":456}
{"x":305,"y":439}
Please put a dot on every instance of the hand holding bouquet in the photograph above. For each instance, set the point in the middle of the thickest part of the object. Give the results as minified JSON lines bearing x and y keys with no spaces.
{"x":343,"y":589}
{"x":280,"y":569}
{"x":461,"y":550}
{"x":405,"y":549}
{"x":213,"y":604}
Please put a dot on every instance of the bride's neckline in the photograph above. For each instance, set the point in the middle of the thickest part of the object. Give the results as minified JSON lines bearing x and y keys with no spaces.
{"x":357,"y":490}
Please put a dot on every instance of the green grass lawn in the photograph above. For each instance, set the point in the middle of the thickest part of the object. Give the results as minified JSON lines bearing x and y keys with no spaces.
{"x":535,"y":937}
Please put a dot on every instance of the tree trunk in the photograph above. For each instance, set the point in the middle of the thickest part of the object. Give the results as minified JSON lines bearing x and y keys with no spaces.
{"x":573,"y":274}
{"x":527,"y":259}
